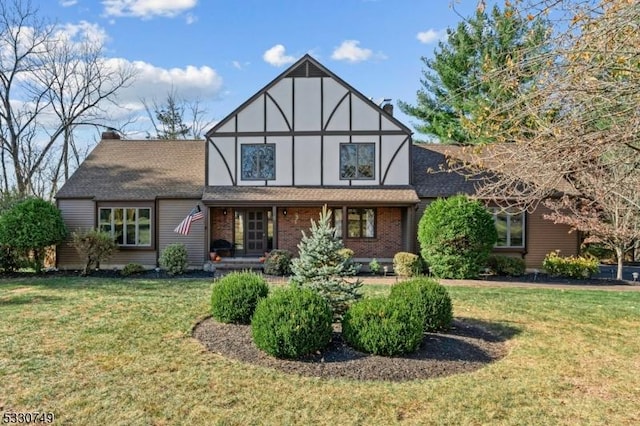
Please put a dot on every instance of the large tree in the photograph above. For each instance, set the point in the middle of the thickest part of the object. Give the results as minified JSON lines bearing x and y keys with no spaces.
{"x":456,"y":87}
{"x":50,"y":83}
{"x":579,"y":152}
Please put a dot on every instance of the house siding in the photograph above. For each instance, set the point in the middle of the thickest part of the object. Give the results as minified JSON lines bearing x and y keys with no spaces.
{"x":544,"y":236}
{"x":77,"y":215}
{"x":170,"y":214}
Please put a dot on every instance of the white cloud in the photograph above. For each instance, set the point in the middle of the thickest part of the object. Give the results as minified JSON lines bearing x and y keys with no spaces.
{"x":350,"y":51}
{"x":430,"y":36}
{"x":190,"y":18}
{"x":147,"y":9}
{"x":240,"y":65}
{"x":190,"y":82}
{"x":68,"y":3}
{"x":83,"y":32}
{"x":276,"y":56}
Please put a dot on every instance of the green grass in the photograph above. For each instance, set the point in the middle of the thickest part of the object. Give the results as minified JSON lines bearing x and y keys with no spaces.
{"x":120,"y":352}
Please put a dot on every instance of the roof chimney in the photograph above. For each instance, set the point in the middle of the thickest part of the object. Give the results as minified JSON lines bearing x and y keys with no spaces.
{"x":388,"y":108}
{"x":110,"y":134}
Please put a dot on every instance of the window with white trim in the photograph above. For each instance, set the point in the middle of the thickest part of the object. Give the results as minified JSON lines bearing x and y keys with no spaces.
{"x":510,"y":227}
{"x":130,"y":226}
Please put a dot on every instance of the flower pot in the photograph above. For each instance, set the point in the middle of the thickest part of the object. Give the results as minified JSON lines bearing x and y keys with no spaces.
{"x":213,"y":256}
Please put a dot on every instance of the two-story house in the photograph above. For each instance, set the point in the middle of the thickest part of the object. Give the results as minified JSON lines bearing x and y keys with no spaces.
{"x":307,"y":139}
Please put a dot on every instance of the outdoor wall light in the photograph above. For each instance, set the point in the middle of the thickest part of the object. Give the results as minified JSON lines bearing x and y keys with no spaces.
{"x":224,"y":212}
{"x":284,"y":212}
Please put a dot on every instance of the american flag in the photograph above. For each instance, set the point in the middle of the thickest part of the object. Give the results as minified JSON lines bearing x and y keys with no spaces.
{"x":195,"y":214}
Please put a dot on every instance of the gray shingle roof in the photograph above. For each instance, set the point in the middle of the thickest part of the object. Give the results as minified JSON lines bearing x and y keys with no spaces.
{"x":309,"y":195}
{"x":139,"y":170}
{"x":432,"y":177}
{"x":145,"y":170}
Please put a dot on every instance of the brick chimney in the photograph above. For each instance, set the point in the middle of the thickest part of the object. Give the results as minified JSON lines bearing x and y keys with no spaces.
{"x":110,"y":134}
{"x":388,"y":108}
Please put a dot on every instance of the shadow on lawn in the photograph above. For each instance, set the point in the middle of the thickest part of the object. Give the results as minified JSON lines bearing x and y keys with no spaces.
{"x":26,"y":299}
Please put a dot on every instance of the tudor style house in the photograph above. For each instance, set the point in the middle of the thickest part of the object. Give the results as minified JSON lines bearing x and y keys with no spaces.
{"x":305,"y":140}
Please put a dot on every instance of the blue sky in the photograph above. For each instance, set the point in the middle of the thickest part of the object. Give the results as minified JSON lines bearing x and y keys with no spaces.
{"x":222,"y":52}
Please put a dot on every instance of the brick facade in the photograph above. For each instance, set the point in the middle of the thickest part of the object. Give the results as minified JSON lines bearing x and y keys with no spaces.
{"x":387,"y":241}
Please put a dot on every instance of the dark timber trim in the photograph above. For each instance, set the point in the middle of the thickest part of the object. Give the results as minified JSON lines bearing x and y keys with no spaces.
{"x":395,"y":154}
{"x":279,"y":109}
{"x":224,"y":160}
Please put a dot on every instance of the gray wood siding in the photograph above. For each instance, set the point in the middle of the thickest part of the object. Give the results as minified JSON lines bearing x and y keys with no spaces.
{"x":170,"y":214}
{"x":78,"y":215}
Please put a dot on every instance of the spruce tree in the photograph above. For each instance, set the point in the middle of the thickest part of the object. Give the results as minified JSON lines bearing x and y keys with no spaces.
{"x":457,"y":91}
{"x":323,"y":267}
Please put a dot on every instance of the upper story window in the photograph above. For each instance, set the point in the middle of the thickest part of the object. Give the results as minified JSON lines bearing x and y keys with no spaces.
{"x":510,"y":227}
{"x":129,"y":226}
{"x":357,"y":160}
{"x":258,"y":161}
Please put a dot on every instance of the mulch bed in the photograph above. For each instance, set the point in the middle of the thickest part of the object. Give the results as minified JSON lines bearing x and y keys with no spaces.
{"x":464,"y":348}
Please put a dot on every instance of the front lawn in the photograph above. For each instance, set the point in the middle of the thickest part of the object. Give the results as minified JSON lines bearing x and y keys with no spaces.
{"x":99,"y":351}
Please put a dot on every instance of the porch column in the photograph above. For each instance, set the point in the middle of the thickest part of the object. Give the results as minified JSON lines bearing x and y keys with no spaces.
{"x":274,"y":216}
{"x":412,"y":231}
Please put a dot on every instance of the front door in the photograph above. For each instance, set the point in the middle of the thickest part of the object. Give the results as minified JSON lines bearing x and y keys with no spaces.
{"x":256,"y":232}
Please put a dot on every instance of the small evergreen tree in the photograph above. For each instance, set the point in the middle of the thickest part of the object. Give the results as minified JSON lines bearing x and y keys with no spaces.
{"x":30,"y":226}
{"x":322,"y":267}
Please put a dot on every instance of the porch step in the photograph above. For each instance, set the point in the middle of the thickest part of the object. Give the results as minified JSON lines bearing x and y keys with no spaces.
{"x":238,"y":264}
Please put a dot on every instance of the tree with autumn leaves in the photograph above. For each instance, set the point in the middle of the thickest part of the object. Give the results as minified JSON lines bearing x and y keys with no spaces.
{"x":568,"y":137}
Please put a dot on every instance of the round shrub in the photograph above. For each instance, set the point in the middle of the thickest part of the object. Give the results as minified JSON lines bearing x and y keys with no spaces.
{"x":429,"y":298}
{"x":292,"y":323}
{"x":174,"y":259}
{"x":407,"y":264}
{"x":278,"y":262}
{"x":234,"y":297}
{"x":456,"y":236}
{"x":383,"y":326}
{"x":506,"y":266}
{"x":131,"y":269}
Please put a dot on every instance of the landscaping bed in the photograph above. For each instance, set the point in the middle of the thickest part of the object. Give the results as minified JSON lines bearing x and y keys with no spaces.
{"x":465,"y":347}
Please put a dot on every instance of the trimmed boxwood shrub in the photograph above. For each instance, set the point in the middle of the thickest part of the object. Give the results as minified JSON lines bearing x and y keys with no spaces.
{"x":292,"y":323}
{"x":407,"y":264}
{"x":383,"y":326}
{"x":131,"y":269}
{"x":506,"y":265}
{"x":429,"y":298}
{"x":174,"y":259}
{"x":235,"y":296}
{"x":456,"y":237}
{"x":278,"y":262}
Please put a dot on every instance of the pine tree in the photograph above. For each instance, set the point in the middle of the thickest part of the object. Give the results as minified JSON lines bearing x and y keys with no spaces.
{"x":324,"y":267}
{"x":456,"y":92}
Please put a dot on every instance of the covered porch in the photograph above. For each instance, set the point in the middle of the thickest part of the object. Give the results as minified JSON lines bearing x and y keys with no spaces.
{"x":373,"y":222}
